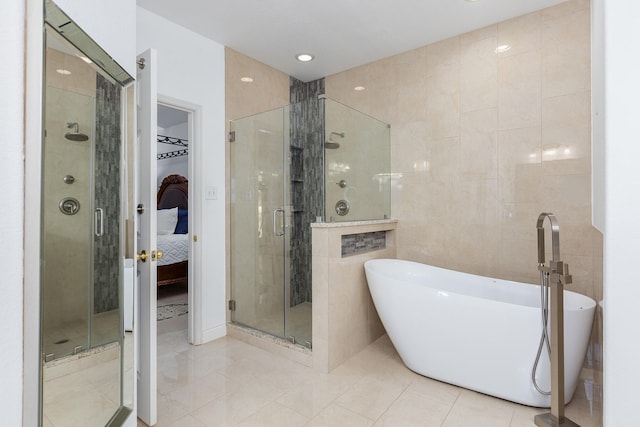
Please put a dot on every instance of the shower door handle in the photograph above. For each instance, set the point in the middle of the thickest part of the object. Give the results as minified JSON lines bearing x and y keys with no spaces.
{"x":275,"y":226}
{"x":99,"y":222}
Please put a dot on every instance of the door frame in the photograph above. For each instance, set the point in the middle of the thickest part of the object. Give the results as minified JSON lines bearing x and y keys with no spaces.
{"x":194,"y":287}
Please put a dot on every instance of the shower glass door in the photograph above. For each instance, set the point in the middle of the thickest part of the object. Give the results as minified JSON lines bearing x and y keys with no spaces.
{"x":81,"y":207}
{"x":67,"y":217}
{"x":259,"y":221}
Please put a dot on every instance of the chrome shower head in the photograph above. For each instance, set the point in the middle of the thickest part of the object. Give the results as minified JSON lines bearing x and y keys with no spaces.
{"x":75,"y":134}
{"x":331,"y":144}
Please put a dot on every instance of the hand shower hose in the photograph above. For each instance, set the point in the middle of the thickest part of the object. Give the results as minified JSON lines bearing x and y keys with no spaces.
{"x":544,"y":337}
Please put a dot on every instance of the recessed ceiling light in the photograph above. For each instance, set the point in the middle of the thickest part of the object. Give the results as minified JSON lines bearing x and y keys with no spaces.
{"x":359,"y":88}
{"x":304,"y":57}
{"x":246,"y":79}
{"x":63,"y":71}
{"x":503,"y":48}
{"x":472,"y":1}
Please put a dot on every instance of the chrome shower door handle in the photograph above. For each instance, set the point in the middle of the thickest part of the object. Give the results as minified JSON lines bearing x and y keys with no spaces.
{"x":99,"y":222}
{"x":275,"y":226}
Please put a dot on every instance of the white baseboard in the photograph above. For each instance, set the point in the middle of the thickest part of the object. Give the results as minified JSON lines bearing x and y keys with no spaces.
{"x":214,"y":333}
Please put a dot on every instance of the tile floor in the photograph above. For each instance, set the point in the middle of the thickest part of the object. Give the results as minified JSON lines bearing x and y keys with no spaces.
{"x":229,"y":383}
{"x":61,"y":339}
{"x":298,"y":323}
{"x":84,"y":389}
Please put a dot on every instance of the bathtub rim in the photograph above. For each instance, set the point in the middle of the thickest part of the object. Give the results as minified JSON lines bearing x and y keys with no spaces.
{"x":577,"y":301}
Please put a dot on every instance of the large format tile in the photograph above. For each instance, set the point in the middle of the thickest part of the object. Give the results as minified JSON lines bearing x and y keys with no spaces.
{"x":370,"y":397}
{"x":337,"y":416}
{"x":412,"y":409}
{"x":244,"y":385}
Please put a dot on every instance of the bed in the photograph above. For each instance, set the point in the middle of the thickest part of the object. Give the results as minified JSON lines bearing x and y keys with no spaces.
{"x":173,"y":237}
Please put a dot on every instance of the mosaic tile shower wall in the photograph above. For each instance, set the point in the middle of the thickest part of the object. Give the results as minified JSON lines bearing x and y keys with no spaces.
{"x":307,"y":177}
{"x":107,"y":196}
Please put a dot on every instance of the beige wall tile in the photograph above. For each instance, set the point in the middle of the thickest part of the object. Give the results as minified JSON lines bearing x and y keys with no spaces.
{"x":566,"y":134}
{"x":566,"y":53}
{"x":443,"y":102}
{"x":442,"y":56}
{"x":479,"y":144}
{"x":519,"y":91}
{"x":520,"y":170}
{"x":521,"y":34}
{"x":478,"y":70}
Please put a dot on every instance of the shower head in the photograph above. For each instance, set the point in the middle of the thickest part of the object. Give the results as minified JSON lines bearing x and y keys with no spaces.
{"x":331,"y":144}
{"x":75,"y":134}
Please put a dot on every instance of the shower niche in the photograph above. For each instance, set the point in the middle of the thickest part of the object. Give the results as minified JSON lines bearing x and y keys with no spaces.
{"x":288,"y":168}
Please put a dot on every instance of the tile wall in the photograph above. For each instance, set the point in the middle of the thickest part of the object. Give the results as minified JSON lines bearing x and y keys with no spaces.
{"x":106,"y":267}
{"x":306,"y":118}
{"x":68,"y":98}
{"x":345,"y":320}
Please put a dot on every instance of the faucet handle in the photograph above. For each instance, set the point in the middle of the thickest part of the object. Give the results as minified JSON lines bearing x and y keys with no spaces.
{"x":565,"y":277}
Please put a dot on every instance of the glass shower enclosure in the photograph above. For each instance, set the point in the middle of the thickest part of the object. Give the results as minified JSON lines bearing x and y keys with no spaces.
{"x":309,"y":161}
{"x":81,"y":206}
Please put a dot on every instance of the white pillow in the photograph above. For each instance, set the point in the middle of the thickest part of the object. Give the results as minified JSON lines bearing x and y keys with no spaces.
{"x":167,"y":220}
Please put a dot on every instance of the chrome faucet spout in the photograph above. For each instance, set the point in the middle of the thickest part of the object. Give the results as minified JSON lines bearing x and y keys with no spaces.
{"x":557,"y":269}
{"x":555,"y":237}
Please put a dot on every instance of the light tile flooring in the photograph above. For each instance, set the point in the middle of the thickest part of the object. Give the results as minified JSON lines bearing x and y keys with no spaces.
{"x":84,"y":389}
{"x":229,"y":383}
{"x":298,"y":323}
{"x":61,"y":339}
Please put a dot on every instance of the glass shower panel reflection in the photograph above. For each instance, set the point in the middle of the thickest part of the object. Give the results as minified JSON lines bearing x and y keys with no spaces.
{"x":259,"y":236}
{"x":107,"y":262}
{"x":81,"y":213}
{"x":67,"y":221}
{"x":84,"y":350}
{"x":357,"y":165}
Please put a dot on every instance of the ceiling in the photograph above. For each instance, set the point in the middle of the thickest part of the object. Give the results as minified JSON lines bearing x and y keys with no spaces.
{"x":341,"y":34}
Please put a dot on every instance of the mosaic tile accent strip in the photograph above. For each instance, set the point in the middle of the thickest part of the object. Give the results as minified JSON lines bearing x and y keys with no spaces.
{"x":106,"y":254}
{"x":307,"y":175}
{"x":353,"y":244}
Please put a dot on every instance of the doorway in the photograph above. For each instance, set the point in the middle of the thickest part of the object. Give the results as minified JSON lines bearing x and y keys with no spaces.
{"x":174,"y":221}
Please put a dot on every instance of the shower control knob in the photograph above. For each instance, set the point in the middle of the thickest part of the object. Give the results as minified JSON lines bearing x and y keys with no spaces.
{"x":342,"y":207}
{"x":69,"y":206}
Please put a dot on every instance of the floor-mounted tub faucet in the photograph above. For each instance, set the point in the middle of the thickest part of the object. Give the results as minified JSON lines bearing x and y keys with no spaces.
{"x":555,"y":275}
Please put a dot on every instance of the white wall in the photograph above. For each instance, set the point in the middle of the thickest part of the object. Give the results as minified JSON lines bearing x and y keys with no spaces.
{"x":191,"y":69}
{"x":12,"y":27}
{"x":110,"y":23}
{"x":621,"y":203}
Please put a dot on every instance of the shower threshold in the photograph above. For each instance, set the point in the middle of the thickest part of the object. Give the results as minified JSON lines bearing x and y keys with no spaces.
{"x":271,"y":343}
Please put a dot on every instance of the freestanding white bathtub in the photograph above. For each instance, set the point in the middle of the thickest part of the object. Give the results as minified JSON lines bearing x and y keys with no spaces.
{"x":475,"y":332}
